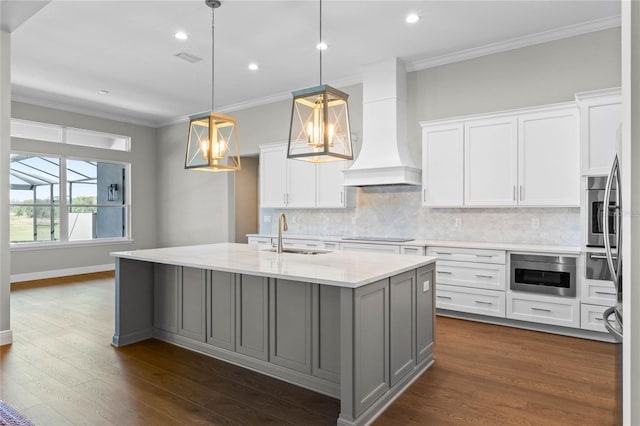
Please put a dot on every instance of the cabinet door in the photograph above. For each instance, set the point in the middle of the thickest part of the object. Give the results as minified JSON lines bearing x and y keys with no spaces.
{"x":301,"y":184}
{"x":600,"y":118}
{"x":401,"y":322}
{"x":221,"y":310}
{"x":191,"y":303}
{"x":442,"y":165}
{"x":252,"y":316}
{"x":330,"y":192}
{"x":273,"y":176}
{"x":549,"y":166}
{"x":165,"y":297}
{"x":290,"y":325}
{"x":491,"y":158}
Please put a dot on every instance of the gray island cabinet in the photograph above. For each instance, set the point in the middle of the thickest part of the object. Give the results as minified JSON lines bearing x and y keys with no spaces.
{"x":354,"y":326}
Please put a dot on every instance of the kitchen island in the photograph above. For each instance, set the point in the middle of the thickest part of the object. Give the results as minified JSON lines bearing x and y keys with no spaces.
{"x":355,"y":326}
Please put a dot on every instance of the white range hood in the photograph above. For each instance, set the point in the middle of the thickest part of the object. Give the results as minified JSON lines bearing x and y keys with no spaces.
{"x":384,"y":158}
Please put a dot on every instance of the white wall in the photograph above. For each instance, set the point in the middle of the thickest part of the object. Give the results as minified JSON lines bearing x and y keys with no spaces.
{"x":143,"y":188}
{"x":5,"y":254}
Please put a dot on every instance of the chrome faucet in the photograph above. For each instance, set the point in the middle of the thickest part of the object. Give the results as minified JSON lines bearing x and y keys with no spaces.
{"x":282,"y":225}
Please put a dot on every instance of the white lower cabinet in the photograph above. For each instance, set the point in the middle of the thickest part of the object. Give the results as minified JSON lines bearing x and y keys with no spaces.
{"x":591,"y":317}
{"x":412,"y":250}
{"x":472,"y":300}
{"x":543,"y":309}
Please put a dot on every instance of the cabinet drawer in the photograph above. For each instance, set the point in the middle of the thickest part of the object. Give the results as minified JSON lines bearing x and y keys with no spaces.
{"x":259,"y":241}
{"x":468,"y":255}
{"x":598,"y":292}
{"x":412,"y":250}
{"x":468,"y":274}
{"x":475,"y":301}
{"x":376,"y":248}
{"x":331,"y":245}
{"x":295,"y":243}
{"x":591,"y":317}
{"x":544,"y":309}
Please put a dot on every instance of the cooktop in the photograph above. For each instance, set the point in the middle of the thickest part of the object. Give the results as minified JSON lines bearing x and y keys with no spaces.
{"x":385,"y":239}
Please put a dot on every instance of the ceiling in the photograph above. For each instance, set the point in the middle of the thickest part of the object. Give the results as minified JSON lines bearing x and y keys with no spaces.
{"x":68,"y":51}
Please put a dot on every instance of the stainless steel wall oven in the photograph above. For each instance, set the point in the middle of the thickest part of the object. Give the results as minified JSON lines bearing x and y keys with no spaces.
{"x":554,"y":275}
{"x":595,"y":210}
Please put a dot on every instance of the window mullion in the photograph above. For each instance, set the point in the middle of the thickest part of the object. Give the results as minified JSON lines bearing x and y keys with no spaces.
{"x":64,"y":208}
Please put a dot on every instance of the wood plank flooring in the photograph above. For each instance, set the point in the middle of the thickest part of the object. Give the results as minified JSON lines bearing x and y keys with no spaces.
{"x":61,"y":370}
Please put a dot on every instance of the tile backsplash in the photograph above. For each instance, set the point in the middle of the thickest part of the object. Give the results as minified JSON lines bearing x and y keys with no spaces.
{"x":396,"y":211}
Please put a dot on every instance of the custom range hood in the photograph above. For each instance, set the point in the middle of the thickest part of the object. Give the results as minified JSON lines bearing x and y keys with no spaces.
{"x":384,"y":158}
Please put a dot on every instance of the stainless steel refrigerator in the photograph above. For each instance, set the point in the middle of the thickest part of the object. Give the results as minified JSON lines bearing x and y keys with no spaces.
{"x":613,"y":316}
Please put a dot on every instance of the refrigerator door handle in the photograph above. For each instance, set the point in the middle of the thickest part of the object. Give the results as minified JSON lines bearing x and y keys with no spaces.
{"x":613,"y":174}
{"x":611,"y":328}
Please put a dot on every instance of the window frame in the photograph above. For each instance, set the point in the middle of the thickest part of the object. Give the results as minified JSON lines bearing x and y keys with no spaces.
{"x":64,"y":205}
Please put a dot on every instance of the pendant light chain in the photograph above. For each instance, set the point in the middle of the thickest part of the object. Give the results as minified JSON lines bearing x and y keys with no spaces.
{"x":320,"y":45}
{"x":213,"y":38}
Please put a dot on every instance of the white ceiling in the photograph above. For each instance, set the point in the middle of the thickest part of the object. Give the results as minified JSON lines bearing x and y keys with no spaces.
{"x":69,"y":50}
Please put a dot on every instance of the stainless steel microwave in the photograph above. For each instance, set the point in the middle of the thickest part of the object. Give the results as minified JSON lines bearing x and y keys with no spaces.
{"x":535,"y":273}
{"x":595,"y":212}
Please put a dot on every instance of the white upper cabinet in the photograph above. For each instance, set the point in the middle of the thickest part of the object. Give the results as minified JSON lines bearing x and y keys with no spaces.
{"x":299,"y":184}
{"x":600,"y":118}
{"x":443,"y":165}
{"x":273,"y":176}
{"x":549,"y":158}
{"x":529,"y":157}
{"x":330,"y":192}
{"x":491,"y":161}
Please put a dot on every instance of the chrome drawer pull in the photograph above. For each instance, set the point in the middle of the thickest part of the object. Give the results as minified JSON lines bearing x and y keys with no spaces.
{"x":605,"y":292}
{"x":484,"y":276}
{"x":533,"y":308}
{"x":445,"y":272}
{"x":483,"y":302}
{"x":443,"y":297}
{"x":444,"y":253}
{"x":598,"y":319}
{"x":484,"y":255}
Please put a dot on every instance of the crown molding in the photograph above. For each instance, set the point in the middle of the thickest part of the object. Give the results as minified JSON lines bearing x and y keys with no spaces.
{"x":515,"y":43}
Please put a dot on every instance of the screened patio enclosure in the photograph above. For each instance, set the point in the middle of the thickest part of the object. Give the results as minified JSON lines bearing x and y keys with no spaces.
{"x":58,"y":199}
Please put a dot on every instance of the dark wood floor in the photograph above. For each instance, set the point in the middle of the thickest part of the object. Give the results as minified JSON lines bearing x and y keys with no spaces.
{"x":61,"y":370}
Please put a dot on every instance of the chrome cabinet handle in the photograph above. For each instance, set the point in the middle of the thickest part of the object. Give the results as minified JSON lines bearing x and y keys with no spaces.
{"x":533,"y":308}
{"x":605,"y":292}
{"x":598,"y":319}
{"x":424,"y":194}
{"x":514,"y":193}
{"x":484,"y":255}
{"x":341,"y":198}
{"x":482,"y":302}
{"x":443,"y":253}
{"x":444,"y":297}
{"x":521,"y":192}
{"x":484,"y":276}
{"x":600,"y":256}
{"x":444,"y":272}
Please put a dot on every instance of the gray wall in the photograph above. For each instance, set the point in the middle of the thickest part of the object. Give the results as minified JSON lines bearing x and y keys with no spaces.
{"x":143,"y":190}
{"x":536,"y":75}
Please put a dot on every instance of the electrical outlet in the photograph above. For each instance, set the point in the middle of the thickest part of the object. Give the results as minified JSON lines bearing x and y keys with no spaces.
{"x":535,"y":223}
{"x":353,"y":219}
{"x":457,"y":222}
{"x":425,"y":286}
{"x":266,"y":219}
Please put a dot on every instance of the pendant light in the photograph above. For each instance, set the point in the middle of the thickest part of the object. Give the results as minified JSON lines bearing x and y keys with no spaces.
{"x":319,"y":130}
{"x":213,"y":138}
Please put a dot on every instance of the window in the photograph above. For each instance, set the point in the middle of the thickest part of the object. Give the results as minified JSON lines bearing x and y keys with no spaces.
{"x":60,"y":199}
{"x":60,"y":134}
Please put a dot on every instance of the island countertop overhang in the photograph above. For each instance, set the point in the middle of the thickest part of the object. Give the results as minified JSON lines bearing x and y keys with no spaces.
{"x":338,"y":268}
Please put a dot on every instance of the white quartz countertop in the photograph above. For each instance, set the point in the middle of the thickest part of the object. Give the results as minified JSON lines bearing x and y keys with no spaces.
{"x":516,"y":247}
{"x":339,"y":268}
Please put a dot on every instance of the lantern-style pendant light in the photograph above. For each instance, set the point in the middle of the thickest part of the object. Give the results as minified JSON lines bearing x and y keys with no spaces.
{"x":213,"y":138}
{"x":319,"y":130}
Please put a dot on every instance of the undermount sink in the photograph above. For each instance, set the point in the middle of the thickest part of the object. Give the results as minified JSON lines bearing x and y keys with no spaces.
{"x":299,"y":250}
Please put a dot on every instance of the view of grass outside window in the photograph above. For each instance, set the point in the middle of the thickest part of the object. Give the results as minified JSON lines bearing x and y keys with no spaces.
{"x":60,"y":199}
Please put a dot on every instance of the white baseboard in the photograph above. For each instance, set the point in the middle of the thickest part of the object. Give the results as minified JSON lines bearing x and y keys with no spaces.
{"x":30,"y":276}
{"x":6,"y":337}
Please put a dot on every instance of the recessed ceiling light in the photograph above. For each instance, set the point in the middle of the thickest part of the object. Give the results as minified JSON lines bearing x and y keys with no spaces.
{"x":103,"y":92}
{"x":321,"y":46}
{"x":181,"y":35}
{"x":412,"y":18}
{"x":253,"y":66}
